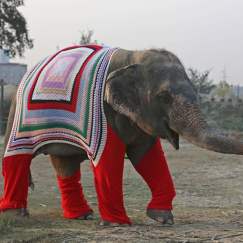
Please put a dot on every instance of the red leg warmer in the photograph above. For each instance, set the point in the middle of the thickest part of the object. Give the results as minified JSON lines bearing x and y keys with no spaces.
{"x":154,"y":170}
{"x":108,"y":180}
{"x":15,"y":170}
{"x":73,"y":202}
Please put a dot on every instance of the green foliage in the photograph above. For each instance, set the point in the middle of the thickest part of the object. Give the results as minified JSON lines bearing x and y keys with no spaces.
{"x":13,"y":28}
{"x":224,"y":115}
{"x":201,"y":81}
{"x":223,"y":89}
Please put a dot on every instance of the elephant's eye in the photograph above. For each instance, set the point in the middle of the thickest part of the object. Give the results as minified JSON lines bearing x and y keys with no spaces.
{"x":165,"y":97}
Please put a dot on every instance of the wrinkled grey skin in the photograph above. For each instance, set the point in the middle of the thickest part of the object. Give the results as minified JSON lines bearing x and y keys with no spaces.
{"x":147,"y":95}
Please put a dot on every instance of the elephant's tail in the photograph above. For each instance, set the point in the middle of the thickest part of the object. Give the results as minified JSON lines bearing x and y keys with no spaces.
{"x":31,"y":182}
{"x":10,"y":122}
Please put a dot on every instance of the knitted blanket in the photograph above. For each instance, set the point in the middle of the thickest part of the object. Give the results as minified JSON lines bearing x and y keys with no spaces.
{"x":61,"y":101}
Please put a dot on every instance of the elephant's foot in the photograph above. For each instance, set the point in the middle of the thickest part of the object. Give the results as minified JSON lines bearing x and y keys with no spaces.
{"x":164,"y":217}
{"x":87,"y":216}
{"x":111,"y":224}
{"x":19,"y":212}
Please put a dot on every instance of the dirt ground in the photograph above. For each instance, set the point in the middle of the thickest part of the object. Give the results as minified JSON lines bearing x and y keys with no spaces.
{"x":208,"y":206}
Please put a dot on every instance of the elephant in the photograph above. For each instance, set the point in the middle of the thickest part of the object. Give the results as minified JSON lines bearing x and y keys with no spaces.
{"x":147,"y":96}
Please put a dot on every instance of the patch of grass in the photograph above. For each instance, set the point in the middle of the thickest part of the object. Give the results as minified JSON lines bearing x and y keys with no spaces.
{"x":6,"y":224}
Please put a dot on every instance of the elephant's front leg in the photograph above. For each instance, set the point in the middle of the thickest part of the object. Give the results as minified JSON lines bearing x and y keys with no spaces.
{"x":108,"y":181}
{"x":73,"y":201}
{"x":153,"y":168}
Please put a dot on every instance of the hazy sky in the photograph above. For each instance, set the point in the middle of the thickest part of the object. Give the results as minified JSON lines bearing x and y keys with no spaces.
{"x":205,"y":34}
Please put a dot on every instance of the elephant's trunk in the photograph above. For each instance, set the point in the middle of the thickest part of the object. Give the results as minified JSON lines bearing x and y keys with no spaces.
{"x":216,"y":141}
{"x":188,"y":121}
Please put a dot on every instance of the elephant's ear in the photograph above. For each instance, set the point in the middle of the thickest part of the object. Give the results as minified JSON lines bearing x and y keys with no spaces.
{"x":123,"y":90}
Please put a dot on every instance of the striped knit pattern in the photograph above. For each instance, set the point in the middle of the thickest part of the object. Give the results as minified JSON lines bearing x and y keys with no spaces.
{"x":61,"y":101}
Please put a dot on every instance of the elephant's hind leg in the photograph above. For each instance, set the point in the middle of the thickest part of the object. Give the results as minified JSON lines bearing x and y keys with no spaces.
{"x":15,"y":170}
{"x":73,"y":201}
{"x":16,"y":173}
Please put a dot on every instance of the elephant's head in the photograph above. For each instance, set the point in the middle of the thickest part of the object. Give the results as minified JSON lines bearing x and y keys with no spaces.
{"x":158,"y":96}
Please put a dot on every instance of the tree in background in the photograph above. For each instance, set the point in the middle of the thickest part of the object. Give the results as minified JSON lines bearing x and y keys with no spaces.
{"x":14,"y":35}
{"x":87,"y":37}
{"x":201,"y":81}
{"x":224,"y":89}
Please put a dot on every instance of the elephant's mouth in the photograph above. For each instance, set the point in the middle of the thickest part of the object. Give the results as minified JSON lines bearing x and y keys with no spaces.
{"x":171,"y":136}
{"x":164,"y":131}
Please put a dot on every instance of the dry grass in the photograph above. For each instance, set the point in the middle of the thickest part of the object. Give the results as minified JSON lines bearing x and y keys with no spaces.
{"x":208,"y":206}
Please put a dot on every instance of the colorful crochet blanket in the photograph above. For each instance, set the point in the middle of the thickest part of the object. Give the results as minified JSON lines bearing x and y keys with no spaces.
{"x":61,"y":101}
